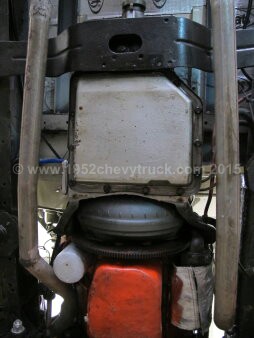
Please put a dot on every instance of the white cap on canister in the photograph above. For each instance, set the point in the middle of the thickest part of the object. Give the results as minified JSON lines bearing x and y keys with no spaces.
{"x":69,"y":264}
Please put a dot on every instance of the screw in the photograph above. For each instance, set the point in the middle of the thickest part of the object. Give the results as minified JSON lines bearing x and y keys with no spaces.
{"x":107,"y":188}
{"x":179,"y":191}
{"x":197,"y":142}
{"x":197,"y":171}
{"x":17,"y":327}
{"x":198,"y":110}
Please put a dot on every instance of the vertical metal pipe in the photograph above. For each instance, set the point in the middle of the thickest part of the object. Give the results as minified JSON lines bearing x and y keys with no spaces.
{"x":29,"y":153}
{"x":227,"y":161}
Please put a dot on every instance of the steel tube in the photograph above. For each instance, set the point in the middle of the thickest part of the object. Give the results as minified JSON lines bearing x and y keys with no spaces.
{"x":227,"y":161}
{"x":29,"y":154}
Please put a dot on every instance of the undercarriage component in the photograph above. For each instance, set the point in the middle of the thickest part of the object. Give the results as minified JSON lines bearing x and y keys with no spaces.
{"x":69,"y":51}
{"x":131,"y":251}
{"x":193,"y":219}
{"x":121,"y":152}
{"x":70,"y":264}
{"x":125,"y":301}
{"x":9,"y":297}
{"x":192,"y":296}
{"x":129,"y":173}
{"x":180,"y":43}
{"x":198,"y":254}
{"x":227,"y":157}
{"x":18,"y":328}
{"x":29,"y":156}
{"x":134,"y":9}
{"x":111,"y":9}
{"x":245,"y":301}
{"x":129,"y":217}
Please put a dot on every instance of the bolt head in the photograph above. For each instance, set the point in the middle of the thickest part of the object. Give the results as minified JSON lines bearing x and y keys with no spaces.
{"x":107,"y":188}
{"x":197,"y":171}
{"x":179,"y":191}
{"x":198,"y":110}
{"x":17,"y":327}
{"x":197,"y":143}
{"x":146,"y":190}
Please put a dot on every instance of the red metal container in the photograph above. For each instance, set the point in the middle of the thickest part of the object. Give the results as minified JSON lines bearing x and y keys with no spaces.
{"x":125,"y":301}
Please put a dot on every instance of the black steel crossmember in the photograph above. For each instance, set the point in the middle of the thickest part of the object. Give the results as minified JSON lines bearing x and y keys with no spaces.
{"x":148,"y":43}
{"x":141,"y":44}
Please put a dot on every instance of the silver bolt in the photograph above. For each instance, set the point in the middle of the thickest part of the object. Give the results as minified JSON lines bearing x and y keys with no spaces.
{"x":17,"y":327}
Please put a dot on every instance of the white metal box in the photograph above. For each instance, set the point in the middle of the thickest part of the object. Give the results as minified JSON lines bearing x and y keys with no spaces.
{"x":131,"y":129}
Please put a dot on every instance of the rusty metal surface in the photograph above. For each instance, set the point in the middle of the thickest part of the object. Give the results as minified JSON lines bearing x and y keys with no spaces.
{"x":29,"y":155}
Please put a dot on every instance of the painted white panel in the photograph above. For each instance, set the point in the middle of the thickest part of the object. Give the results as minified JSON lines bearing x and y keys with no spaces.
{"x":127,"y":123}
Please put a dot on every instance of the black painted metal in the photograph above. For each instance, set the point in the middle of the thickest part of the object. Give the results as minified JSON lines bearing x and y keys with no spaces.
{"x":245,"y":48}
{"x":85,"y":47}
{"x":131,"y":251}
{"x":245,"y":309}
{"x":9,"y":298}
{"x":5,"y":146}
{"x":5,"y":131}
{"x":67,"y":14}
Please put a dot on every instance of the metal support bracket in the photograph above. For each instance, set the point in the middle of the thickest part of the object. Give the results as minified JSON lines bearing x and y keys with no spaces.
{"x":126,"y":45}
